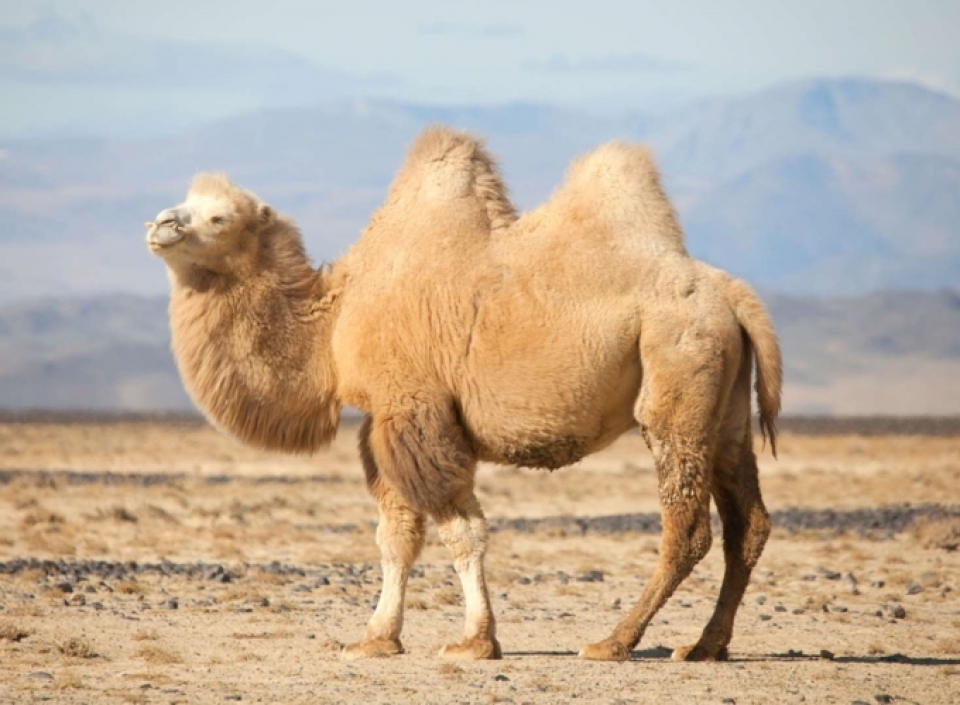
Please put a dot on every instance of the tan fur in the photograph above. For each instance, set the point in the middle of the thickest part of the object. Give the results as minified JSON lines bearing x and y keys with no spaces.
{"x":468,"y":333}
{"x":251,"y":327}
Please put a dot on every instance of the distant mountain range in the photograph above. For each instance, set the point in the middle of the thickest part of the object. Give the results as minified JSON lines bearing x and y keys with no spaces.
{"x":820,"y":187}
{"x":886,"y":353}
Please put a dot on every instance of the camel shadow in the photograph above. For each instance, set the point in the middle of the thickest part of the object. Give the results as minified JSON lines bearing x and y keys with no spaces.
{"x":662,"y":653}
{"x":655,"y":653}
{"x":873,"y":660}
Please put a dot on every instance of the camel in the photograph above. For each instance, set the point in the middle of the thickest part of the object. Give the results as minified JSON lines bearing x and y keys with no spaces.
{"x":466,"y":332}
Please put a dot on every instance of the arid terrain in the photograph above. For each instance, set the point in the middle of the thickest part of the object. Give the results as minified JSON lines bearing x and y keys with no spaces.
{"x":157,"y":561}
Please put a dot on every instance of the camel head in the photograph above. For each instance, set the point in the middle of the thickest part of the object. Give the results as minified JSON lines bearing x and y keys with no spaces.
{"x":215,"y":229}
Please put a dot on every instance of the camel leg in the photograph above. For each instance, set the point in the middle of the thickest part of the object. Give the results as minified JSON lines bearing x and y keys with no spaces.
{"x":677,"y":412}
{"x":400,"y":535}
{"x":746,"y":526}
{"x":463,"y":529}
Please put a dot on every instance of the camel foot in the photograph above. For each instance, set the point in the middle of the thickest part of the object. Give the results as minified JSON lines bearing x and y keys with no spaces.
{"x":473,"y":649}
{"x":371,"y":648}
{"x":699,"y":652}
{"x":606,"y":650}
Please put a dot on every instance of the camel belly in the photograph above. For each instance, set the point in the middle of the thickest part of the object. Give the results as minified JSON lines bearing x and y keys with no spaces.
{"x":555,"y":425}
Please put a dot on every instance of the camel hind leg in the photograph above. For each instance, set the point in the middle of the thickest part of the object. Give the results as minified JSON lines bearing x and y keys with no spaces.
{"x":676,"y":412}
{"x":746,"y":524}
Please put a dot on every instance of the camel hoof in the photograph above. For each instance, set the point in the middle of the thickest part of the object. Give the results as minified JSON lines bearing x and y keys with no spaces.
{"x":697,"y":652}
{"x":371,"y":648}
{"x":473,"y":650}
{"x":606,"y":650}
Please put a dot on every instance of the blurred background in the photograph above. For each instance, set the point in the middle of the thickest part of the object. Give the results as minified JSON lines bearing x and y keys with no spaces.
{"x":812,"y":147}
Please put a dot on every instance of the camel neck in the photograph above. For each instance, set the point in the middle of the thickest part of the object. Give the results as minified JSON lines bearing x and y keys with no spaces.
{"x":255,"y":356}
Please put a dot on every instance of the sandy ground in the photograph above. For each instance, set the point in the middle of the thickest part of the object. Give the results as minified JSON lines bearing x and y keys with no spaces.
{"x":162,"y":562}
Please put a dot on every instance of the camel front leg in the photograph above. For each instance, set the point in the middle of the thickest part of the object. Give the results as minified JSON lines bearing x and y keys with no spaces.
{"x":400,"y":535}
{"x":463,"y":529}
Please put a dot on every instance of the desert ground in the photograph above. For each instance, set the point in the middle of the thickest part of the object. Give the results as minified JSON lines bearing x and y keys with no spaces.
{"x":157,"y":561}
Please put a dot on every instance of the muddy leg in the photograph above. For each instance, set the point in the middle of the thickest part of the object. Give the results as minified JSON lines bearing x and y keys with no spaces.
{"x":400,"y":535}
{"x":746,"y":527}
{"x":463,"y":530}
{"x":685,"y":506}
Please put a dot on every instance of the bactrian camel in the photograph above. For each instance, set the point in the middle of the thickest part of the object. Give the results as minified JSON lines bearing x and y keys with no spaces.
{"x":467,"y":333}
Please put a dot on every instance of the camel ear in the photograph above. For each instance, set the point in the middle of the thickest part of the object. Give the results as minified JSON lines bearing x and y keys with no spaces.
{"x":265,"y":212}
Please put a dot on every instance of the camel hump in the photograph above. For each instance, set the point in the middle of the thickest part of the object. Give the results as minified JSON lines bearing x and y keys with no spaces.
{"x":444,"y":165}
{"x":620,"y":180}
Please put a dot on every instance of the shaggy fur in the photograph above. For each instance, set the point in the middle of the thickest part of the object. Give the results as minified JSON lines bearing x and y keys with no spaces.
{"x":468,"y":333}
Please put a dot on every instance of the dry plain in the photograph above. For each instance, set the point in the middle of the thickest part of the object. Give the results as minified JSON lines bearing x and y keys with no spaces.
{"x":158,"y":561}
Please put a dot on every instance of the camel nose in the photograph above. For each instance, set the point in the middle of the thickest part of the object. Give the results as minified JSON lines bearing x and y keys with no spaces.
{"x":166,"y":229}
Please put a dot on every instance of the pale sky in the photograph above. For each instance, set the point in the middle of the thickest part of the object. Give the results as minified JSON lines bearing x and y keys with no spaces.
{"x":599,"y":54}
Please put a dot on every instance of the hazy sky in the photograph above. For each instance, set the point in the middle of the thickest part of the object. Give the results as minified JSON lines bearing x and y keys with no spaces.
{"x":134,"y":55}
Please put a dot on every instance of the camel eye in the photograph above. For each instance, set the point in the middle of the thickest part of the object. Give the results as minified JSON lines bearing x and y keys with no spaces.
{"x":217,"y":220}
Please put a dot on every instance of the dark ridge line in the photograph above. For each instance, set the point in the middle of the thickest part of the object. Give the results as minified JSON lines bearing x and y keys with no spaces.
{"x":800,"y":424}
{"x":878,"y":523}
{"x":154,"y":479}
{"x":875,"y":522}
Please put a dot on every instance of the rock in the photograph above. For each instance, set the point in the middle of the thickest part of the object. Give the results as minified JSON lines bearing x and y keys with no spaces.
{"x":78,"y":600}
{"x":877,"y":584}
{"x":799,"y":610}
{"x":322,"y":580}
{"x":616,"y":604}
{"x":766,"y":617}
{"x":500,"y":677}
{"x":839,"y":608}
{"x":851,"y":584}
{"x":523,"y":581}
{"x":729,"y":701}
{"x":41,"y":676}
{"x":883,"y":698}
{"x":761,"y":599}
{"x":825,"y":654}
{"x":914,"y":589}
{"x":64,"y":587}
{"x":899,"y":612}
{"x":172,"y":604}
{"x":779,"y":608}
{"x":809,"y":577}
{"x":591,"y":576}
{"x":829,"y":574}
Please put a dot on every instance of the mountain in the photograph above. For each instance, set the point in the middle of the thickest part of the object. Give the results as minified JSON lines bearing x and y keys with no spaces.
{"x":889,"y":352}
{"x":826,"y":187}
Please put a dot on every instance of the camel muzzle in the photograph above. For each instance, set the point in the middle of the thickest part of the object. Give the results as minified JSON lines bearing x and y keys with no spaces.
{"x":165,"y":231}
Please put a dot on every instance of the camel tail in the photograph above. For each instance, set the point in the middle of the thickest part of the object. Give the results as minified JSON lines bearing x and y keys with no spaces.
{"x":755,"y":321}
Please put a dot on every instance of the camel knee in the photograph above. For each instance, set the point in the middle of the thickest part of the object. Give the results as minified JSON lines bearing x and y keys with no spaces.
{"x":401,"y":533}
{"x":687,"y":542}
{"x":464,"y":532}
{"x":758,"y":531}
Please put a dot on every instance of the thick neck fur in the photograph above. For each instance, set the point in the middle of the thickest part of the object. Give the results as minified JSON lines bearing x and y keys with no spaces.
{"x":253,"y":345}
